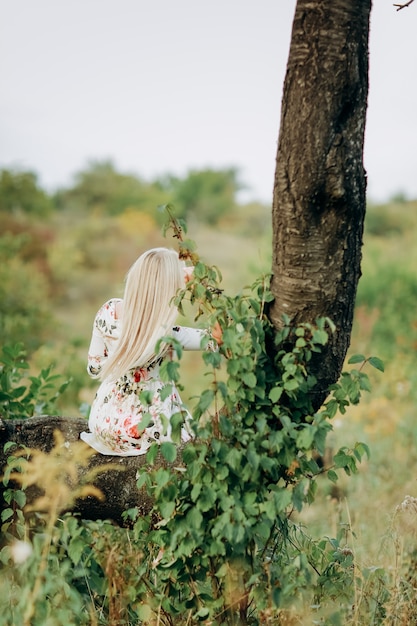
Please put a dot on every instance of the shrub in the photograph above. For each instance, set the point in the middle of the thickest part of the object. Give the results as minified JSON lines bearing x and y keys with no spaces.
{"x":22,"y":396}
{"x":220,"y":546}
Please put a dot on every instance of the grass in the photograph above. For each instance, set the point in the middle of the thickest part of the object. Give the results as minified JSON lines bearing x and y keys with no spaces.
{"x":369,"y":509}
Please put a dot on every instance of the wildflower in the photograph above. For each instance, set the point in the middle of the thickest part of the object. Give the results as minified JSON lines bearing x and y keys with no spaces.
{"x":406,"y":515}
{"x":408,"y":505}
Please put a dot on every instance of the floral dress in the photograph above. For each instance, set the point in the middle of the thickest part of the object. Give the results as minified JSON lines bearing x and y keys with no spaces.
{"x":123,"y":420}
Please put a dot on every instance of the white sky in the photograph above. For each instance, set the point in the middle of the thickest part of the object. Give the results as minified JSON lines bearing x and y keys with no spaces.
{"x":168,"y":85}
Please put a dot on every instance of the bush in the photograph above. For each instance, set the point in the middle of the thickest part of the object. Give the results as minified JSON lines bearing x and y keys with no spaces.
{"x":22,"y":396}
{"x":220,"y":546}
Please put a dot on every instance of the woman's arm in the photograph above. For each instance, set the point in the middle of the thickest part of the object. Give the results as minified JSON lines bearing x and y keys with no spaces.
{"x":104,"y":332}
{"x":191,"y":338}
{"x":97,"y":353}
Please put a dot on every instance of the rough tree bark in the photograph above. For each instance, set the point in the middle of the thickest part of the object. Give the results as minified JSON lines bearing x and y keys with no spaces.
{"x":118,"y":485}
{"x":320,"y":181}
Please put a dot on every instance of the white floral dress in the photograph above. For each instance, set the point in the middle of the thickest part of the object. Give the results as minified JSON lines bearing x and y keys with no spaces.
{"x":123,"y":420}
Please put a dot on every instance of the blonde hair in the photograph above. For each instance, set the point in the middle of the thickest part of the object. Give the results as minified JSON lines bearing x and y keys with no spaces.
{"x":148,"y":311}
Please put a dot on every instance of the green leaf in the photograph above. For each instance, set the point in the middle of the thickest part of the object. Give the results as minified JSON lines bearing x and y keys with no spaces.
{"x":200,"y":270}
{"x":75,"y":549}
{"x":275,"y":394}
{"x":377,"y":363}
{"x":291,"y":385}
{"x":166,"y":391}
{"x":189,"y":454}
{"x":249,"y":379}
{"x":169,"y":451}
{"x":152,"y":453}
{"x":5,"y":555}
{"x":365,"y":384}
{"x":300,"y":343}
{"x":142,"y":480}
{"x":320,"y":337}
{"x":341,"y":459}
{"x":19,"y":497}
{"x":234,"y":459}
{"x":268,"y":508}
{"x":360,"y":449}
{"x":195,"y":491}
{"x":331,"y":408}
{"x":346,"y":461}
{"x":356,"y":358}
{"x":146,"y":397}
{"x":206,"y":499}
{"x":194,"y":518}
{"x":331,"y":475}
{"x":305,"y":437}
{"x":206,"y":399}
{"x":6,"y":514}
{"x":162,"y":477}
{"x":166,"y":508}
{"x":282,"y":499}
{"x":169,"y":370}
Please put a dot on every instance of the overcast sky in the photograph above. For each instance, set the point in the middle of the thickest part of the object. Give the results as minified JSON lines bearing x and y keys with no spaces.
{"x":170,"y":85}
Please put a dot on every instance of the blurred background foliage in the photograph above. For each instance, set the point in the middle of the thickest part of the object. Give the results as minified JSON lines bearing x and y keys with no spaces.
{"x":63,"y":254}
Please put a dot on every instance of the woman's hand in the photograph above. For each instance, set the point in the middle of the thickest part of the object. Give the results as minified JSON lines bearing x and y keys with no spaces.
{"x":217,"y":333}
{"x":188,"y":273}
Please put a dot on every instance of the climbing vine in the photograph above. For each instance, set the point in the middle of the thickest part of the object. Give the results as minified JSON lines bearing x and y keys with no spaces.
{"x":225,"y":511}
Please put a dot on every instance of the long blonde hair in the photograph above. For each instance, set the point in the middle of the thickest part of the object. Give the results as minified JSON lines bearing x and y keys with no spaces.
{"x":148,"y":311}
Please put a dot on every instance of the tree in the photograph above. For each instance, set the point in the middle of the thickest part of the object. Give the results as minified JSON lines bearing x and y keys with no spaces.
{"x":320,"y":182}
{"x":20,"y":193}
{"x":206,"y":195}
{"x":100,"y":187}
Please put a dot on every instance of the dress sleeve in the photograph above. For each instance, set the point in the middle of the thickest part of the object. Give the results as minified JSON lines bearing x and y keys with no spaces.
{"x":104,"y":328}
{"x":191,"y":338}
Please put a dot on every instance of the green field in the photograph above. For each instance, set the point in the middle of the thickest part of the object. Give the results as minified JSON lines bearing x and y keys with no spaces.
{"x":61,"y":262}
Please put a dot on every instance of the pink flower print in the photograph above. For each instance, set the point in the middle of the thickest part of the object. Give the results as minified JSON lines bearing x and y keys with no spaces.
{"x":140,"y":375}
{"x":132,"y":430}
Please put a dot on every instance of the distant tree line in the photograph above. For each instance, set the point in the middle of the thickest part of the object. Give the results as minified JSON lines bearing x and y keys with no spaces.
{"x":205,"y":195}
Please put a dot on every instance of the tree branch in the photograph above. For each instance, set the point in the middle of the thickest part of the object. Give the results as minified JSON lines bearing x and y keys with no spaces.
{"x":402,"y":6}
{"x":120,"y":491}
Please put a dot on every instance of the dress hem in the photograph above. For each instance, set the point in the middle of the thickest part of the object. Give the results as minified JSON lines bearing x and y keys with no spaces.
{"x":92,"y":441}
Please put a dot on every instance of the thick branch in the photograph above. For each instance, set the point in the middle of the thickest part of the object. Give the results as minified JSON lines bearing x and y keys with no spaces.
{"x":118,"y":487}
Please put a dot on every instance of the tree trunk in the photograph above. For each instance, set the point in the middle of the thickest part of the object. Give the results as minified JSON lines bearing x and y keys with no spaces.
{"x":320,"y":182}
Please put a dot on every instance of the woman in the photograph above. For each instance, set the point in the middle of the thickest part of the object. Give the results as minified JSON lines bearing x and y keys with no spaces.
{"x":133,"y":406}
